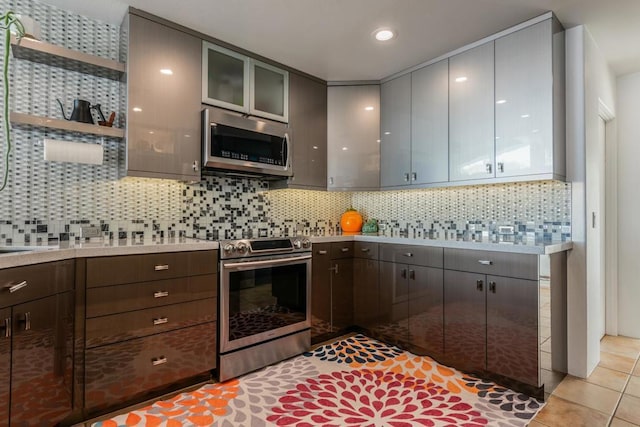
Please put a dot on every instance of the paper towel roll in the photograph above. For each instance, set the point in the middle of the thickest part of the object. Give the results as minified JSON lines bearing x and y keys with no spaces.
{"x":75,"y":152}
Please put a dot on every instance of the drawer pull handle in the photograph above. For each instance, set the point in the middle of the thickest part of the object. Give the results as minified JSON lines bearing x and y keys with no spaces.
{"x":365,"y":249}
{"x":159,"y":361}
{"x":161,"y":294}
{"x":344,"y":249}
{"x":7,"y":327}
{"x":492,"y":287}
{"x":161,"y":267}
{"x":16,"y":287}
{"x":408,"y":254}
{"x":485,"y":262}
{"x":322,"y":252}
{"x":160,"y":321}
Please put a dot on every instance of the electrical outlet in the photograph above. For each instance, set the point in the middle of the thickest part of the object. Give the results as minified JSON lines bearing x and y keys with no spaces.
{"x":90,"y":231}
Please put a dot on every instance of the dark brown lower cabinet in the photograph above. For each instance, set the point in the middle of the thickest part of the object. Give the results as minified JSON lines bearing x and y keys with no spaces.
{"x":465,"y":331}
{"x":320,"y":292}
{"x":512,"y":328}
{"x":42,"y":361}
{"x":133,"y":369}
{"x":366,"y":293}
{"x":341,"y":294}
{"x":5,"y":364}
{"x":394,"y":310}
{"x":426,"y":314}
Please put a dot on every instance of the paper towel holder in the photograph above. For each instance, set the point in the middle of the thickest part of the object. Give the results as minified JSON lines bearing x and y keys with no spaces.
{"x":73,"y":152}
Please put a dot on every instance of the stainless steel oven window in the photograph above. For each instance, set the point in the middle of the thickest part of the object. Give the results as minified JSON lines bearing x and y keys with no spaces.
{"x":263,"y":298}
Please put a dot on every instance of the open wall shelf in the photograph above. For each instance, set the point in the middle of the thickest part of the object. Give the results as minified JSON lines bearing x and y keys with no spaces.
{"x":21,"y":119}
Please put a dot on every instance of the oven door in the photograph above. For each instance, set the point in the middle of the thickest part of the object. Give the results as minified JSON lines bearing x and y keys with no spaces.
{"x":263,"y":298}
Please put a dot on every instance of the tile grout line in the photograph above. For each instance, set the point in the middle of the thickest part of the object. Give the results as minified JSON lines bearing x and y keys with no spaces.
{"x":624,"y":389}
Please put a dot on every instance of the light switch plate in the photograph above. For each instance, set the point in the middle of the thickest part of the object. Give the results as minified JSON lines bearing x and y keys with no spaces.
{"x":90,"y":231}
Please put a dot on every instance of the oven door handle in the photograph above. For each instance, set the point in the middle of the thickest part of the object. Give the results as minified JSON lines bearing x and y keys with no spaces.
{"x":252,"y":264}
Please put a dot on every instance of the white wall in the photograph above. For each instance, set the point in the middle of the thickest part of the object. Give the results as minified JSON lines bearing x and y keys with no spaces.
{"x":628,"y":129}
{"x":589,"y":82}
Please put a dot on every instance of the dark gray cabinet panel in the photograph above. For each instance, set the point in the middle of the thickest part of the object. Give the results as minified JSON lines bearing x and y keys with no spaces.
{"x":308,"y":121}
{"x":465,"y":320}
{"x":35,"y":281}
{"x":341,"y":250}
{"x":394,"y":311}
{"x":341,"y":294}
{"x":512,"y":328}
{"x":365,"y":250}
{"x":412,"y":254}
{"x":499,"y":263}
{"x":321,"y":291}
{"x":163,"y":101}
{"x":5,"y":364}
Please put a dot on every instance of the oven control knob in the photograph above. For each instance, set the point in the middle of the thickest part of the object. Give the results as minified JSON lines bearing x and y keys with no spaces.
{"x":228,"y":248}
{"x":306,"y":243}
{"x":242,"y":248}
{"x":297,"y":244}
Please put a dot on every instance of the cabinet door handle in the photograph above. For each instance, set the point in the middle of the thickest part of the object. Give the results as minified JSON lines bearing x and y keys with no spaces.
{"x":501,"y":167}
{"x":158,"y":361}
{"x":365,"y":249}
{"x":492,"y":287}
{"x":195,"y":166}
{"x":403,"y":273}
{"x":479,"y":285}
{"x":15,"y":287}
{"x":485,"y":262}
{"x":408,"y":254}
{"x":414,"y":176}
{"x":344,"y":249}
{"x":161,"y":294}
{"x":412,"y":274}
{"x":160,"y":321}
{"x":26,"y":319}
{"x":489,"y":168}
{"x":7,"y":327}
{"x":162,"y":267}
{"x":322,"y":252}
{"x":334,"y":269}
{"x":330,"y":180}
{"x":406,"y":177}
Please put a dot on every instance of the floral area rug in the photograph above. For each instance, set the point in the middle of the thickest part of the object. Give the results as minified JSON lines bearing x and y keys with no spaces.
{"x":355,"y":381}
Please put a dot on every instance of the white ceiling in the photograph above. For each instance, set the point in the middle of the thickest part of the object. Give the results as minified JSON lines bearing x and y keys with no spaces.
{"x":332,"y":39}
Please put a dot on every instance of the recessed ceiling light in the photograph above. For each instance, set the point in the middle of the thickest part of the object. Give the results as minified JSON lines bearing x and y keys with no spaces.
{"x":501,"y":101}
{"x":384,"y":34}
{"x":137,"y":109}
{"x":525,"y":116}
{"x":461,"y":79}
{"x":369,"y":108}
{"x":167,"y":71}
{"x":345,"y":148}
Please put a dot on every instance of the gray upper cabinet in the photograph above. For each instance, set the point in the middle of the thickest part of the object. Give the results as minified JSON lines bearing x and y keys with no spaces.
{"x":471,"y":114}
{"x":353,"y":137}
{"x":237,"y":82}
{"x":163,"y":101}
{"x":526,"y":141}
{"x":430,"y":124}
{"x":308,"y":122}
{"x":395,"y":132}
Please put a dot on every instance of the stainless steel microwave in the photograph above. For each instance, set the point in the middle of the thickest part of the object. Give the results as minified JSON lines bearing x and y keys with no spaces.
{"x":242,"y":144}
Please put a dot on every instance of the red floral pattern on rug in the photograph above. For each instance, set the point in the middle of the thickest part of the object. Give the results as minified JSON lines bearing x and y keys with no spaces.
{"x":376,"y":398}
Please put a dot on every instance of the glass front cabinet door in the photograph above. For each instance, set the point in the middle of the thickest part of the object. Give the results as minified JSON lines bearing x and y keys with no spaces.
{"x":236,"y":82}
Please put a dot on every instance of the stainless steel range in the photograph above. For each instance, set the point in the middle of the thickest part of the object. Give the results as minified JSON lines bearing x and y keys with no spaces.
{"x":265,"y":302}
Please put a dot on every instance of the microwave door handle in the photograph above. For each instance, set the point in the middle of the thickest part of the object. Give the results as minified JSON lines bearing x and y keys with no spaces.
{"x":285,"y":151}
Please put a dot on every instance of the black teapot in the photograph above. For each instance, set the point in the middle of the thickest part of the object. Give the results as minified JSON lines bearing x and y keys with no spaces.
{"x":81,"y":111}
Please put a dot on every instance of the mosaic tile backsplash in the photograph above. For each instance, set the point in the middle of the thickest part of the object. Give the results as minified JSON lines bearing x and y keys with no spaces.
{"x":47,"y":201}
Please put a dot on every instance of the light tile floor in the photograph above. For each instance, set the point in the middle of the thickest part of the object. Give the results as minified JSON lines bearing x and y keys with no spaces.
{"x":609,"y":397}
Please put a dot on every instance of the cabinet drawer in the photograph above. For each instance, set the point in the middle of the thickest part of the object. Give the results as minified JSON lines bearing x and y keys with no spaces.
{"x":341,"y":250}
{"x":321,"y":250}
{"x":507,"y":264}
{"x":35,"y":281}
{"x":136,"y":296}
{"x":118,"y":327}
{"x":121,"y":269}
{"x":128,"y":370}
{"x":365,"y":250}
{"x":412,"y":254}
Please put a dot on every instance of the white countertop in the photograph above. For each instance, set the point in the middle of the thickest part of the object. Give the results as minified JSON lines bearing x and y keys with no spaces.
{"x":66,"y":250}
{"x":538,"y":248}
